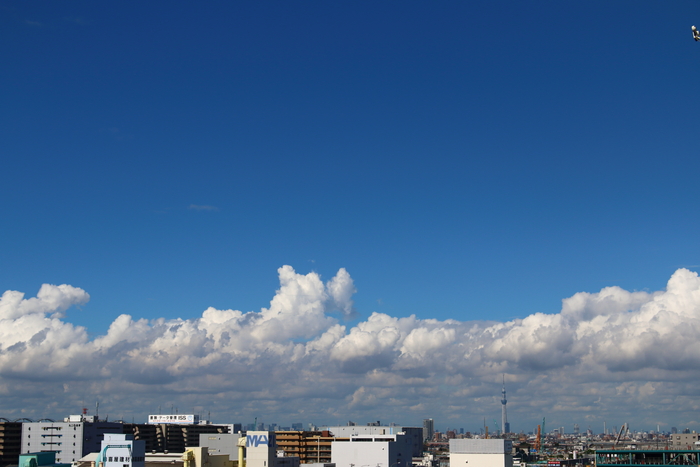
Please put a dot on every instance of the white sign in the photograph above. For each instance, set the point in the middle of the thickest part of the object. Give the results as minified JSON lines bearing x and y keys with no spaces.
{"x":177,"y":419}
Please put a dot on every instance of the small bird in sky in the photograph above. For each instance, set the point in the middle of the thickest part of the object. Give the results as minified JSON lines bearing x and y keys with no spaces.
{"x":696,"y":33}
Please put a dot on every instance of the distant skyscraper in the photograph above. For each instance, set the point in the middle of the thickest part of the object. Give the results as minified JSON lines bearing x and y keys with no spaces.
{"x":504,"y":416}
{"x":428,"y":429}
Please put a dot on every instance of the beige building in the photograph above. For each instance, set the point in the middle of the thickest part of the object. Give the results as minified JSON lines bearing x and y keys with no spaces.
{"x":684,"y":440}
{"x":312,"y":447}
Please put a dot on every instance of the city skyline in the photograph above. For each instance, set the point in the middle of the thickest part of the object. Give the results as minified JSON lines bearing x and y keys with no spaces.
{"x":352,"y":211}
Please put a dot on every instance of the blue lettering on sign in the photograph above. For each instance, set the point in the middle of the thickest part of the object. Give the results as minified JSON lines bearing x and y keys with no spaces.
{"x":255,"y":441}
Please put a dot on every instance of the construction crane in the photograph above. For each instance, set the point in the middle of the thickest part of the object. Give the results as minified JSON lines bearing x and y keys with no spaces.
{"x":619,"y":435}
{"x":538,"y":440}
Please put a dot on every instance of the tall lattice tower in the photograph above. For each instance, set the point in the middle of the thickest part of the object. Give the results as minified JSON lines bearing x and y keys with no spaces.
{"x":504,"y":416}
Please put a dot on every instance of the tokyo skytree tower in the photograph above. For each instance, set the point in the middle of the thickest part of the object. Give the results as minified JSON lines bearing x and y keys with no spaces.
{"x":505,"y":426}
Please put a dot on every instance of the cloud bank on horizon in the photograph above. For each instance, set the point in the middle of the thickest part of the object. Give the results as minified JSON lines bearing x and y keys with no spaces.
{"x":613,"y":355}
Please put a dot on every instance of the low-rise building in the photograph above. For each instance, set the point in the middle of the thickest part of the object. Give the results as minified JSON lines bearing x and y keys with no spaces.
{"x":481,"y":453}
{"x":200,"y":457}
{"x":218,"y":444}
{"x":414,"y":434}
{"x":120,"y":450}
{"x":684,"y":440}
{"x":39,"y":459}
{"x":373,"y":450}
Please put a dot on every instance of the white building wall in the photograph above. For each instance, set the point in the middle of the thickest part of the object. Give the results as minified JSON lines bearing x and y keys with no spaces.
{"x":261,"y":449}
{"x":480,"y":460}
{"x":377,"y":451}
{"x":349,"y":454}
{"x":481,"y":453}
{"x":118,"y":450}
{"x":414,"y":434}
{"x":481,"y":446}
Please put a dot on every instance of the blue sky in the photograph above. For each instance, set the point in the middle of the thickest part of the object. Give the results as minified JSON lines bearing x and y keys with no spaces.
{"x":461,"y":161}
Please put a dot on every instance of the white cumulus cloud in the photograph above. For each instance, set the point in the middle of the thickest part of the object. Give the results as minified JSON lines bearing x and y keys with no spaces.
{"x":606,"y":352}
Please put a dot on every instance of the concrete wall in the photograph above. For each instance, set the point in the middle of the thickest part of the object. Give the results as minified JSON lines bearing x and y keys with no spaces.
{"x":199,"y":457}
{"x":219,"y":444}
{"x":481,"y":446}
{"x":377,"y":451}
{"x":480,"y":460}
{"x":684,"y":440}
{"x":481,"y":453}
{"x":414,"y":434}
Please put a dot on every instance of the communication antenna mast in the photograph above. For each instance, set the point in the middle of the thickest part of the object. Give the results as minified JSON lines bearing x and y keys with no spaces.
{"x":504,"y":416}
